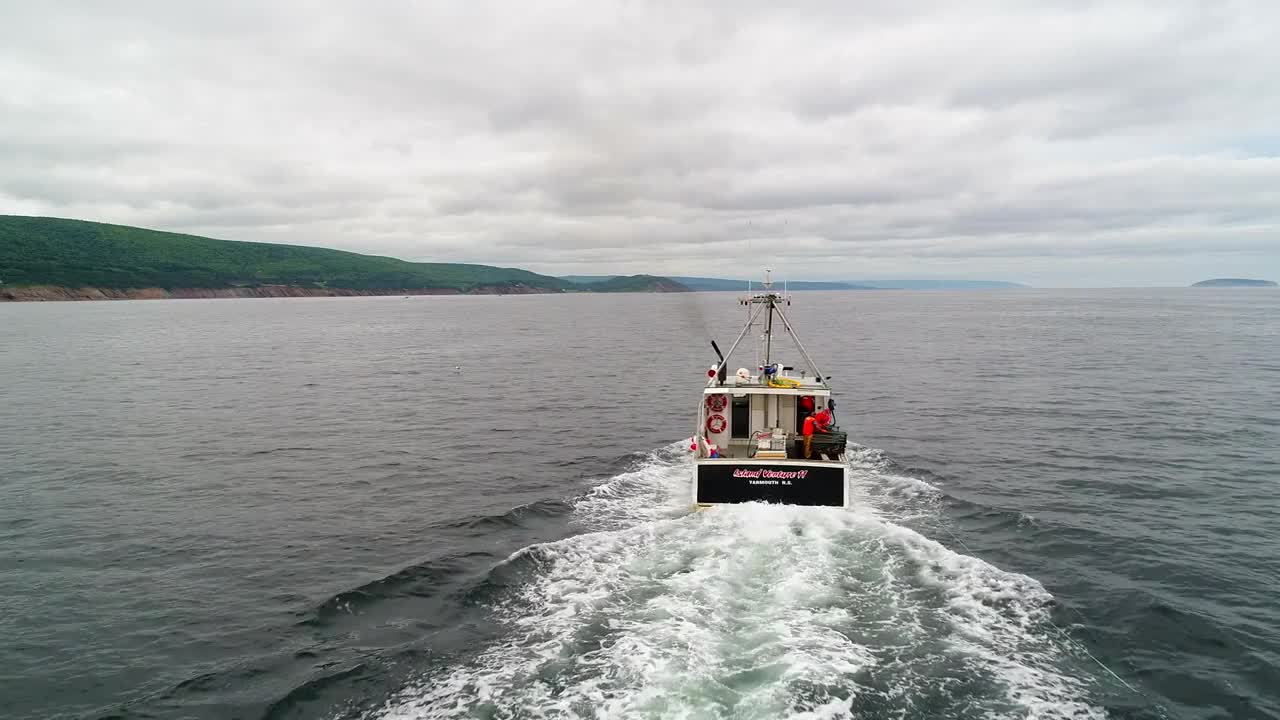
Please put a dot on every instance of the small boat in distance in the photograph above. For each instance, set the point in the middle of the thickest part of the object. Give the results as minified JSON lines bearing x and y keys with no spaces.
{"x":749,"y":445}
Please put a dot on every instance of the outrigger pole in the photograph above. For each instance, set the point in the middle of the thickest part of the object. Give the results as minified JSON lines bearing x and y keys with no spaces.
{"x":724,"y":360}
{"x":800,"y":346}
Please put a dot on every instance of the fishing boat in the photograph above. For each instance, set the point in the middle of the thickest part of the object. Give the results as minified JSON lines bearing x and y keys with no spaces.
{"x":749,"y":444}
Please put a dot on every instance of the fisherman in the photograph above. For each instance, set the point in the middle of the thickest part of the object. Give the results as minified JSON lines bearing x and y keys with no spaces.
{"x":809,"y":424}
{"x":804,"y":406}
{"x":823,"y":420}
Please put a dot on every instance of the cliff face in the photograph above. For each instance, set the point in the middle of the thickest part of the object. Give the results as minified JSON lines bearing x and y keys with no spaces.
{"x":38,"y":293}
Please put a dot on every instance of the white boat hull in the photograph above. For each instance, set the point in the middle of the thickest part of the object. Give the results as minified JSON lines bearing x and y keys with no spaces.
{"x":728,"y":481}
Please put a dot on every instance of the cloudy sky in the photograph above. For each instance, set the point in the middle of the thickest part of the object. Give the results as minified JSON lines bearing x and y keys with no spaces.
{"x":1054,"y":142}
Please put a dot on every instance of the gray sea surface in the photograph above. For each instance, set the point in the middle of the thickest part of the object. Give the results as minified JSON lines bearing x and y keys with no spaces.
{"x":478,"y":507}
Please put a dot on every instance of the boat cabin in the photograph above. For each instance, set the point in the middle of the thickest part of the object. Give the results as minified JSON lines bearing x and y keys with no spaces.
{"x":761,"y":415}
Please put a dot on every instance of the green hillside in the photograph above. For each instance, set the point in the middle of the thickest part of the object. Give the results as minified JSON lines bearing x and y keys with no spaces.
{"x":76,"y":253}
{"x":635,"y":283}
{"x":704,"y":283}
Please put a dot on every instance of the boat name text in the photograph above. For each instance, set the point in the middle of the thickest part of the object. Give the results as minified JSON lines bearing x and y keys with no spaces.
{"x":771,"y":474}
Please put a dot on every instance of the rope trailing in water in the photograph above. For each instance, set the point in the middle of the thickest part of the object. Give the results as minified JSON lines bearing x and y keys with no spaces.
{"x":1076,"y":643}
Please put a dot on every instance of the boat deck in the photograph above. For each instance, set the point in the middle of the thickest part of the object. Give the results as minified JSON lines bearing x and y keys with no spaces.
{"x":779,"y":445}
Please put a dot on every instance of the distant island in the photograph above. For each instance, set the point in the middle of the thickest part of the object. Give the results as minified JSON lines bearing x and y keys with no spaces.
{"x":1234,"y":282}
{"x":59,"y":259}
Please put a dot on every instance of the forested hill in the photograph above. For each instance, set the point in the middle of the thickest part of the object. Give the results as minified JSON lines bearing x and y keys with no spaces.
{"x":54,"y":258}
{"x":634,"y":283}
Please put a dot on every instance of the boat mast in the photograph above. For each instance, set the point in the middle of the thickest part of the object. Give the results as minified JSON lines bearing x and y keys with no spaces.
{"x":757,"y":303}
{"x":768,"y":328}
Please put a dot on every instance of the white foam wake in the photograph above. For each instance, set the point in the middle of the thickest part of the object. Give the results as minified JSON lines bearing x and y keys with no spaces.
{"x":757,"y":611}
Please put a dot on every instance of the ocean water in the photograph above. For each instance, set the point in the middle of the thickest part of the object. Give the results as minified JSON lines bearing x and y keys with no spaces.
{"x":442,"y":507}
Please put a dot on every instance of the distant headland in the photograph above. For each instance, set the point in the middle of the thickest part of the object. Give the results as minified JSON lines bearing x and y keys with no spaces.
{"x":721,"y":284}
{"x":1234,"y":282}
{"x":59,"y":259}
{"x":43,"y":258}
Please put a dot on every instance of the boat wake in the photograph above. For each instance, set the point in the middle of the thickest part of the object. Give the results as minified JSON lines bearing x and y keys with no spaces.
{"x":752,"y":611}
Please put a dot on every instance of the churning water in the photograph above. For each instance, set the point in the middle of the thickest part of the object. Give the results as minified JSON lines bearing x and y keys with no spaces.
{"x":757,"y":612}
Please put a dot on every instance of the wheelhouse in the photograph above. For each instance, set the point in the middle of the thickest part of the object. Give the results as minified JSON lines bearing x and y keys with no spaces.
{"x":749,"y":418}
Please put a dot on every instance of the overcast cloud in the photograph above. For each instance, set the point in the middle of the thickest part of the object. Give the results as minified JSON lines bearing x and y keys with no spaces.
{"x":1053,"y":142}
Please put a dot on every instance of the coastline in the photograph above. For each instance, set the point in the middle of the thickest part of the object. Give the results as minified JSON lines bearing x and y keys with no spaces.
{"x":58,"y":293}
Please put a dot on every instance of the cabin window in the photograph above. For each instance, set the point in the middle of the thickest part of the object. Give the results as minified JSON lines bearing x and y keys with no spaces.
{"x":741,"y":417}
